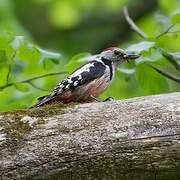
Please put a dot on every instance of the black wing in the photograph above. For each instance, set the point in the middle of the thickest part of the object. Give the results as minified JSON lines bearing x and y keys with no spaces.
{"x":82,"y":75}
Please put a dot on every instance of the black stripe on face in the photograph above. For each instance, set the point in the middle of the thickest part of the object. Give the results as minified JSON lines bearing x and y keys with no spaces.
{"x":108,"y":63}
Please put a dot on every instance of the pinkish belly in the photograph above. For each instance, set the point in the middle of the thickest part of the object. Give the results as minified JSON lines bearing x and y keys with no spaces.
{"x":95,"y":88}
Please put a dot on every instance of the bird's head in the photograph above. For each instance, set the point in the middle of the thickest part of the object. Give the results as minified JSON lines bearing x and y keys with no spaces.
{"x":116,"y":54}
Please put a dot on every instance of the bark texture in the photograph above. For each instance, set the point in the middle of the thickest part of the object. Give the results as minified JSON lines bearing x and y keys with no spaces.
{"x":135,"y":138}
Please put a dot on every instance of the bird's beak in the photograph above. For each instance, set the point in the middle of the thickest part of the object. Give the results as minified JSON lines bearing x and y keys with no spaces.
{"x":131,"y":56}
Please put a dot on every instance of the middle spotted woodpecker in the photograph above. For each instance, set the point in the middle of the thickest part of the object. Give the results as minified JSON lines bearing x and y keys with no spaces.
{"x":88,"y":81}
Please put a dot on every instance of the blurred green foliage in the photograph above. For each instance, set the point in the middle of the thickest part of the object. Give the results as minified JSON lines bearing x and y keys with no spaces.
{"x":75,"y":29}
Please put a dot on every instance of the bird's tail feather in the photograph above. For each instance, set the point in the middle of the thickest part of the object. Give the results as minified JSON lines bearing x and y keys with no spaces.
{"x":42,"y":101}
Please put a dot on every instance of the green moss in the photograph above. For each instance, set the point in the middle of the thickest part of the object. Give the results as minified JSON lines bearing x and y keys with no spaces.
{"x":16,"y":129}
{"x":44,"y":111}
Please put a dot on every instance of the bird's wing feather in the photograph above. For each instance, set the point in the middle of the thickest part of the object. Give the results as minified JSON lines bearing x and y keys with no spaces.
{"x":82,"y":75}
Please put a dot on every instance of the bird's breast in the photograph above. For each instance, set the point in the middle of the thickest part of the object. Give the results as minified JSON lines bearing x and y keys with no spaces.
{"x":94,"y":88}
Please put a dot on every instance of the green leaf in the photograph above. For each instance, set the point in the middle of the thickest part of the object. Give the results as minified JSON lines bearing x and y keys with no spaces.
{"x":140,"y":47}
{"x":4,"y":45}
{"x":127,"y":71}
{"x":55,"y":61}
{"x":161,"y":18}
{"x":29,"y":55}
{"x":151,"y":39}
{"x":3,"y":42}
{"x":151,"y":58}
{"x":17,"y":42}
{"x":80,"y":56}
{"x":176,"y":56}
{"x":151,"y":81}
{"x":13,"y":106}
{"x":49,"y":54}
{"x":46,"y":55}
{"x":171,"y":57}
{"x":88,"y":58}
{"x":76,"y":62}
{"x":18,"y":68}
{"x":175,"y":17}
{"x":3,"y":58}
{"x":21,"y":87}
{"x":3,"y":75}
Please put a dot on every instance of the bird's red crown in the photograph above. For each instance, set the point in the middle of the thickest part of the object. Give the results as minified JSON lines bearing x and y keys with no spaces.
{"x":111,"y":48}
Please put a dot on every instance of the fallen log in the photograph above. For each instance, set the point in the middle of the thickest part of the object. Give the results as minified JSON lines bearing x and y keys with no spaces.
{"x":136,"y":138}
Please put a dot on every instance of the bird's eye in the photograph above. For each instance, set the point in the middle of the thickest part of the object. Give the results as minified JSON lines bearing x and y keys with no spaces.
{"x":116,"y":52}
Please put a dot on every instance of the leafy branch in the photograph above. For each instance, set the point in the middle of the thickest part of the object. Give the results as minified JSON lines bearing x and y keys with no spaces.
{"x":10,"y":67}
{"x":165,"y":55}
{"x":36,"y":87}
{"x":168,"y":75}
{"x":166,"y":31}
{"x":169,"y":58}
{"x":32,"y":79}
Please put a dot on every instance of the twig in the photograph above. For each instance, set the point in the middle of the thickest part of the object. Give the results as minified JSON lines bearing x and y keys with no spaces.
{"x":172,"y":61}
{"x":132,"y":24}
{"x":170,"y":76}
{"x":34,"y":86}
{"x":44,"y":75}
{"x":174,"y":32}
{"x":165,"y":32}
{"x":169,"y":58}
{"x":32,"y":79}
{"x":143,"y":35}
{"x":10,"y":67}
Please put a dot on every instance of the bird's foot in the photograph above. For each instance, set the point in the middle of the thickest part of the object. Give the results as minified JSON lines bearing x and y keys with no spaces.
{"x":107,"y":99}
{"x":96,"y":99}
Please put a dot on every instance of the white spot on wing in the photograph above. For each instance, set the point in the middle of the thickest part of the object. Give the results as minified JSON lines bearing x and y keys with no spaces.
{"x":59,"y":91}
{"x":79,"y":77}
{"x":70,"y":80}
{"x":67,"y":87}
{"x":75,"y":83}
{"x":85,"y":68}
{"x":61,"y":86}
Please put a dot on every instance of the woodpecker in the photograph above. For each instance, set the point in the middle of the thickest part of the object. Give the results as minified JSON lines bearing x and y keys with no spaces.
{"x":90,"y":80}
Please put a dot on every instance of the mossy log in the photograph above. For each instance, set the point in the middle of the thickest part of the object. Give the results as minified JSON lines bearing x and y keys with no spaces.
{"x":136,"y":138}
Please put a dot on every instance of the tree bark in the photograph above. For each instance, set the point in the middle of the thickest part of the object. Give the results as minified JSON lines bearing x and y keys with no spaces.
{"x":136,"y":138}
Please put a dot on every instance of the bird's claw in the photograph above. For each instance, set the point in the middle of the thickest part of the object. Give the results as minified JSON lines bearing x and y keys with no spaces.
{"x":96,"y":99}
{"x":109,"y":99}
